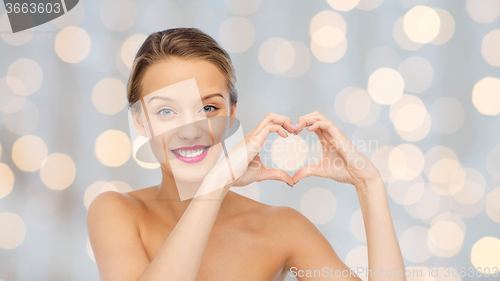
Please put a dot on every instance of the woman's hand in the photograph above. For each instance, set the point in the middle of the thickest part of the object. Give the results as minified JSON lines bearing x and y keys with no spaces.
{"x":244,"y":158}
{"x":341,"y":160}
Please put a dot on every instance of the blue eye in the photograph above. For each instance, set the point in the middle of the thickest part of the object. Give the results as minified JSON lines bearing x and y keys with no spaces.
{"x":165,"y":112}
{"x":209,"y":108}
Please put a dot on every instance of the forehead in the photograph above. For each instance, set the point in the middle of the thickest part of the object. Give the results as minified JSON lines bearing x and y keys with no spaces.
{"x":173,"y":70}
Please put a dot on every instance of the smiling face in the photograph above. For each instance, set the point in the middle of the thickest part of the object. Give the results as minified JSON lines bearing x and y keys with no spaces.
{"x":179,"y":96}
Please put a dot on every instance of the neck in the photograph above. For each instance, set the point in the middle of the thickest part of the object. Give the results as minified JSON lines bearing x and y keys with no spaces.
{"x":169,"y":201}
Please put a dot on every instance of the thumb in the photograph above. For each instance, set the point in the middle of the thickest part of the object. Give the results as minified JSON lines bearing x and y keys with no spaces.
{"x":305,"y":172}
{"x":276,"y":174}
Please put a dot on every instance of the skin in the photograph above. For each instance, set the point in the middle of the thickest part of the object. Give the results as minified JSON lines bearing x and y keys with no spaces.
{"x":149,"y":234}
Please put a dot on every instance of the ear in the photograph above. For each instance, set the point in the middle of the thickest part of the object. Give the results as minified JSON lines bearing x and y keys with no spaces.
{"x":139,"y":122}
{"x":233,"y":110}
{"x":233,"y":114}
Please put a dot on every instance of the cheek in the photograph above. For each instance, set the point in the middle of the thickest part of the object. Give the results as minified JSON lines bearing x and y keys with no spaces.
{"x":161,"y":126}
{"x":157,"y":146}
{"x":219,"y":125}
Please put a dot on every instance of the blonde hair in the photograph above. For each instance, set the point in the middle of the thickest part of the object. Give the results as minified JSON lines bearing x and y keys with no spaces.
{"x":183,"y":43}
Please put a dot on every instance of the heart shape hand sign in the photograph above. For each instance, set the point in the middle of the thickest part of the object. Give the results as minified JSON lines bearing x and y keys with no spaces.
{"x":340,"y":159}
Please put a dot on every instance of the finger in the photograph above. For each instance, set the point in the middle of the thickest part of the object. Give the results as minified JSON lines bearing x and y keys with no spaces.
{"x":273,"y":118}
{"x":307,"y":171}
{"x":246,"y":150}
{"x":330,"y":131}
{"x":274,"y":128}
{"x":323,"y":125}
{"x":276,"y":174}
{"x":308,"y":121}
{"x":320,"y":122}
{"x":323,"y":140}
{"x":283,"y":121}
{"x":266,"y":120}
{"x":256,"y":163}
{"x":256,"y":142}
{"x":321,"y":135}
{"x":315,"y":113}
{"x":333,"y":135}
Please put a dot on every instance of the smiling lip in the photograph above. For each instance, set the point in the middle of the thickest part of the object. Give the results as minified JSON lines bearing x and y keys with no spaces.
{"x":184,"y":153}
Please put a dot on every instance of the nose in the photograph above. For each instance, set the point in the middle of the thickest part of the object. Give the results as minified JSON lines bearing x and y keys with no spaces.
{"x":191,"y":130}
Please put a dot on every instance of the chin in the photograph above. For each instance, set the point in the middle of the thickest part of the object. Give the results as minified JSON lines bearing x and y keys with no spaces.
{"x":189,"y":172}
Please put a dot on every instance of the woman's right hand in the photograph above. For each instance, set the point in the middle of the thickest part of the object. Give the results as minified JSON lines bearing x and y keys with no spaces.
{"x":244,"y":158}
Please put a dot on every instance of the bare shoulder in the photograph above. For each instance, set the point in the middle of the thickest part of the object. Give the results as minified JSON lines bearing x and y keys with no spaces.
{"x":287,"y":231}
{"x":283,"y":216}
{"x":111,"y":199}
{"x":277,"y":221}
{"x":292,"y":226}
{"x":114,"y":204}
{"x":284,"y":226}
{"x":297,"y":237}
{"x":114,"y":236}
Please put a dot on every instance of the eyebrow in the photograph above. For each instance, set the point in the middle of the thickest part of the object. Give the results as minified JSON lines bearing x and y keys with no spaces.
{"x":204,"y":98}
{"x":213,"y":95}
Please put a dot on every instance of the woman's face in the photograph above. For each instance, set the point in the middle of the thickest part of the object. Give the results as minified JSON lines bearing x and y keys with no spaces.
{"x":187,"y":105}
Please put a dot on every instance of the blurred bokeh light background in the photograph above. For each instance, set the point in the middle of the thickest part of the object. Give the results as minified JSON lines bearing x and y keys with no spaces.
{"x":414,"y":83}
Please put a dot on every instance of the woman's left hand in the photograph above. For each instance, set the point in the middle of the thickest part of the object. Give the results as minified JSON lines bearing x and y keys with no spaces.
{"x":341,"y":160}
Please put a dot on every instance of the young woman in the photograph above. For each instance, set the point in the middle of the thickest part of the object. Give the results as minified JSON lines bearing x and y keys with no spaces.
{"x":151,"y":234}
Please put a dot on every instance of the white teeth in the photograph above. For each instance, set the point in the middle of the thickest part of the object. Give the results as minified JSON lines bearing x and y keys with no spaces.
{"x":190,"y":153}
